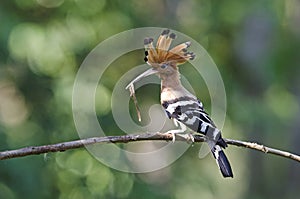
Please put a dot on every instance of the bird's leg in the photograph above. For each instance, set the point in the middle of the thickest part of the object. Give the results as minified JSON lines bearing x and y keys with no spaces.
{"x":180,"y":132}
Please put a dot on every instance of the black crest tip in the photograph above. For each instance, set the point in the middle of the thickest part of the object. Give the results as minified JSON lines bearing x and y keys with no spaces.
{"x":147,"y":40}
{"x":188,"y":44}
{"x":165,"y":32}
{"x":172,"y":36}
{"x":192,"y":57}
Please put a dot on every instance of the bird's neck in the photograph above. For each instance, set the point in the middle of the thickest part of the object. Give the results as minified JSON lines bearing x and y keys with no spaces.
{"x":171,"y":81}
{"x":171,"y":88}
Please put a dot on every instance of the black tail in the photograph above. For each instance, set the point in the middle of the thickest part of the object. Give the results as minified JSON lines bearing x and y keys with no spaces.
{"x":222,"y":161}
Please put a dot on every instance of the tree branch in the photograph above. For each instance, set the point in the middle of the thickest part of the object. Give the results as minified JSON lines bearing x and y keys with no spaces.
{"x":36,"y":150}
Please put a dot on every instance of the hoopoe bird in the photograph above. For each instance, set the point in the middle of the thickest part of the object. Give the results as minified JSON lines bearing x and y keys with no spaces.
{"x":179,"y":104}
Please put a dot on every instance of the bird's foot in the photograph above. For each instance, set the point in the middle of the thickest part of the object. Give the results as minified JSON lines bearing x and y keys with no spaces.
{"x":187,"y":136}
{"x":171,"y":133}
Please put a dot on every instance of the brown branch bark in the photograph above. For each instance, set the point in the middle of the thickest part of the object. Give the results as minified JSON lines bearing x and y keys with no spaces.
{"x":59,"y":147}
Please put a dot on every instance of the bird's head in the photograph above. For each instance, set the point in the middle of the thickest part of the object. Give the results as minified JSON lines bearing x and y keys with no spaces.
{"x":161,"y":58}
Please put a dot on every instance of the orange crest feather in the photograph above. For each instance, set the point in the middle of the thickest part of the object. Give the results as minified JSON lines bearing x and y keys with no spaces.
{"x":161,"y":53}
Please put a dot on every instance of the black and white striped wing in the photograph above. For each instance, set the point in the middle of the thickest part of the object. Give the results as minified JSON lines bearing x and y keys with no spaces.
{"x":190,"y":112}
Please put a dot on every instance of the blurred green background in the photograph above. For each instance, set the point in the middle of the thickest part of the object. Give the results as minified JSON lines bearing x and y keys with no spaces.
{"x":255,"y":44}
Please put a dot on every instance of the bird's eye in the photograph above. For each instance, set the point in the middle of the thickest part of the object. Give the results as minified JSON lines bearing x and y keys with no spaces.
{"x":164,"y":66}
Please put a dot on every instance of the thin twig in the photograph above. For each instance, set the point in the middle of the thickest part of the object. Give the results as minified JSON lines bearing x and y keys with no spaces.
{"x":35,"y":150}
{"x":264,"y":149}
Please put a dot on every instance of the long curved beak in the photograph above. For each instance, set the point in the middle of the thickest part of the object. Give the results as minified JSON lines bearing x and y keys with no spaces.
{"x":148,"y":72}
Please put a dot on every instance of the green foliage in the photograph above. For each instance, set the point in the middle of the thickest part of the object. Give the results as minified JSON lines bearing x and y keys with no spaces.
{"x":255,"y":45}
